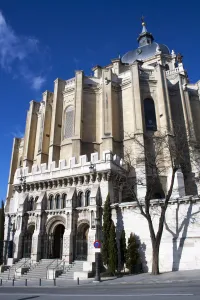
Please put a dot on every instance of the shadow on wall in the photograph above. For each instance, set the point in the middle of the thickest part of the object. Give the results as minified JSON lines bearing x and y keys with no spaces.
{"x":142,"y":252}
{"x":179,"y":235}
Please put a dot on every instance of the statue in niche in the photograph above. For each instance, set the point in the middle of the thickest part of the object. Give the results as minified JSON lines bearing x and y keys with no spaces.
{"x":179,"y":58}
{"x":18,"y":222}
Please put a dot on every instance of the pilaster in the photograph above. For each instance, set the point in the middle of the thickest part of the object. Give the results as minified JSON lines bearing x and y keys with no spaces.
{"x":30,"y":134}
{"x":163,"y":103}
{"x":56,"y":121}
{"x":43,"y":129}
{"x":76,"y":140}
{"x":107,"y":114}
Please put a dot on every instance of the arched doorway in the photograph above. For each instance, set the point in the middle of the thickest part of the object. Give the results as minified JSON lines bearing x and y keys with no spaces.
{"x":82,"y":242}
{"x":27,"y":242}
{"x":58,"y":241}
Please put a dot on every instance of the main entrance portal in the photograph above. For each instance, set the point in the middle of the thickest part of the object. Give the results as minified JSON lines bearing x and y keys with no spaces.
{"x":82,"y":242}
{"x":52,"y":244}
{"x":58,"y":241}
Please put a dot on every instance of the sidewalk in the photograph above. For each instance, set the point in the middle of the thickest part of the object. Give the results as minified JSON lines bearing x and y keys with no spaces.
{"x":146,"y":278}
{"x":165,"y":278}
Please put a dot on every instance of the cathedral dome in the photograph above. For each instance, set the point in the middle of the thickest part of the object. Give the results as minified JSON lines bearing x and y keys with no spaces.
{"x":147,"y":48}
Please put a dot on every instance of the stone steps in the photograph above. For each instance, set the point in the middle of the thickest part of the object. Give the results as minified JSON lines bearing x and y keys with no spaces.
{"x":10,"y":273}
{"x":40,"y":269}
{"x":68,"y":274}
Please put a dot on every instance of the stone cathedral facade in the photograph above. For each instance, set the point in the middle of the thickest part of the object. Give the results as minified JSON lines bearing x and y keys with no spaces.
{"x":61,"y":171}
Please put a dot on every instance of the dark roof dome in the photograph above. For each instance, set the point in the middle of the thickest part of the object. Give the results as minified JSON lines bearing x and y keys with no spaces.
{"x":147,"y":48}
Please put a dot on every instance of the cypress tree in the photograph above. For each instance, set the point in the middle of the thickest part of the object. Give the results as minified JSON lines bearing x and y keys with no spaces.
{"x":112,"y":260}
{"x":107,"y":221}
{"x":123,"y":249}
{"x":132,"y":255}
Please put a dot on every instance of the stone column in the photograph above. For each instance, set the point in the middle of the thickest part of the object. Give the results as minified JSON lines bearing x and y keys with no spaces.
{"x":179,"y":185}
{"x":36,"y":240}
{"x":68,"y":240}
{"x":18,"y":239}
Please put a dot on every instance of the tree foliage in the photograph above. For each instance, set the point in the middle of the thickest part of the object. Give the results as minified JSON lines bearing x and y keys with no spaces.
{"x":112,"y":248}
{"x":123,"y":249}
{"x":107,"y":221}
{"x":132,"y":255}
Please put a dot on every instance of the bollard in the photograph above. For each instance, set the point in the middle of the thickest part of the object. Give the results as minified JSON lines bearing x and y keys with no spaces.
{"x":77,"y":280}
{"x":54,"y":281}
{"x":40,"y":282}
{"x":13,"y":282}
{"x":26,"y":282}
{"x":1,"y":282}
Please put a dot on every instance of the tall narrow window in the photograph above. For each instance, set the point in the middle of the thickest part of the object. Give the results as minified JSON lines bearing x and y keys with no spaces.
{"x":57,"y":201}
{"x":51,"y":202}
{"x":64,"y":198}
{"x":150,"y":115}
{"x":80,"y":199}
{"x":31,"y":204}
{"x":87,"y":198}
{"x":92,"y":219}
{"x":69,"y":122}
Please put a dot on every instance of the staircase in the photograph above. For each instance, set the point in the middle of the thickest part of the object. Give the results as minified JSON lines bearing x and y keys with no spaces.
{"x":10,"y":272}
{"x":68,"y":274}
{"x":39,"y":270}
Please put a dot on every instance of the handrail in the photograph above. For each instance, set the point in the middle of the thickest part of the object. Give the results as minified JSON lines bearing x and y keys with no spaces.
{"x":57,"y":266}
{"x":24,"y":264}
{"x":47,"y":268}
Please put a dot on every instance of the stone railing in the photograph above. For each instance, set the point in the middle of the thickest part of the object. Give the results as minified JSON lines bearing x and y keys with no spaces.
{"x":69,"y":83}
{"x":171,"y":72}
{"x":44,"y":177}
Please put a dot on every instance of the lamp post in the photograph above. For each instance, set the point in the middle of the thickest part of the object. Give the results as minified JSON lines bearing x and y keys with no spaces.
{"x":92,"y":169}
{"x":97,"y":254}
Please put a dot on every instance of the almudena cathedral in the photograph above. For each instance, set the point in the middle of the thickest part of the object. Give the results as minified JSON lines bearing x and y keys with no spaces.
{"x":75,"y":138}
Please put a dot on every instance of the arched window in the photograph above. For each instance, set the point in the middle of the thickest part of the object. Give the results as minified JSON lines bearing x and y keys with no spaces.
{"x":31,"y":204}
{"x":166,"y":67}
{"x":64,"y":198}
{"x":69,"y":122}
{"x":150,"y":115}
{"x":68,"y":220}
{"x":92,"y":219}
{"x":57,"y":201}
{"x":35,"y":202}
{"x":87,"y":198}
{"x":51,"y":202}
{"x":80,"y":199}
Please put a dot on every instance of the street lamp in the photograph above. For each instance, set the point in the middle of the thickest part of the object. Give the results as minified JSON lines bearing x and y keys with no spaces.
{"x":92,"y":169}
{"x":97,"y":254}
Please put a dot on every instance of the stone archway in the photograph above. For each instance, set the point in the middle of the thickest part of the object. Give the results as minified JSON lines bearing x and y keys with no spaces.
{"x":82,"y":241}
{"x":52,"y":241}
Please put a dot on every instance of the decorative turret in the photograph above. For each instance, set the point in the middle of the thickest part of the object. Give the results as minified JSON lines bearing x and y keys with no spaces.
{"x":145,"y":37}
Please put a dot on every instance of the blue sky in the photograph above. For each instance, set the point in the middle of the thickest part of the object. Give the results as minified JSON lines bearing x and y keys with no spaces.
{"x":43,"y":40}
